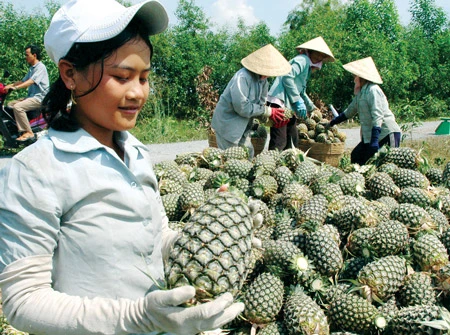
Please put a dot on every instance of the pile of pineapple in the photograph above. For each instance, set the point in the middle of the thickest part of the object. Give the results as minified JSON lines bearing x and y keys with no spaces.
{"x":349,"y":250}
{"x":314,"y":129}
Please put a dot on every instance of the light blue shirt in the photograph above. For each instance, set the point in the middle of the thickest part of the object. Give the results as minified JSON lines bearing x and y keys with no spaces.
{"x":373,"y":110}
{"x":101,"y":217}
{"x":38,"y":73}
{"x":292,"y":87}
{"x":242,"y":100}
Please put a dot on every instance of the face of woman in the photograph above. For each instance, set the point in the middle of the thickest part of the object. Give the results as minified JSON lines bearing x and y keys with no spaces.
{"x":316,"y":57}
{"x":123,"y":90}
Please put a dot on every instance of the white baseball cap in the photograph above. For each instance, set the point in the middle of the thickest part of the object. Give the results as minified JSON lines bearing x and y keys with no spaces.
{"x":98,"y":20}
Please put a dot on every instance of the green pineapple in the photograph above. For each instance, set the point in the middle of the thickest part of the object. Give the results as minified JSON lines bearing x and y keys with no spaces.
{"x":353,"y":183}
{"x":264,"y":187}
{"x":236,"y":152}
{"x":302,"y":315}
{"x":355,"y":314}
{"x":330,"y":191}
{"x":283,"y":176}
{"x":291,"y":158}
{"x":242,"y":184}
{"x":417,"y":196}
{"x":263,"y":165}
{"x":280,"y":258}
{"x":389,"y":201}
{"x":169,"y":186}
{"x":429,"y":252}
{"x":297,"y":236}
{"x":172,"y":206}
{"x":263,"y":299}
{"x":442,"y":223}
{"x":214,"y":249}
{"x":381,"y":184}
{"x":189,"y":158}
{"x":352,"y":267}
{"x":324,"y":252}
{"x":358,"y":242}
{"x":305,"y":172}
{"x":161,"y":167}
{"x":274,"y":328}
{"x":199,"y":174}
{"x":414,"y":217}
{"x":212,"y":158}
{"x":409,"y":178}
{"x":387,"y":168}
{"x":191,"y":197}
{"x":382,"y":278}
{"x":238,"y":168}
{"x":314,"y":209}
{"x":295,"y":194}
{"x":417,"y":289}
{"x":419,"y":320}
{"x":390,"y":237}
{"x":446,"y":176}
{"x":354,"y":214}
{"x":404,"y":157}
{"x":435,"y":176}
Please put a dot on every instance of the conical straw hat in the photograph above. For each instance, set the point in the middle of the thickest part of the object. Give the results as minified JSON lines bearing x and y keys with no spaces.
{"x":267,"y":61}
{"x":364,"y":68}
{"x":318,"y":44}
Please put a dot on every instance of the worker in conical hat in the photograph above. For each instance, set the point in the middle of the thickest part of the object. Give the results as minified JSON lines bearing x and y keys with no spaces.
{"x":290,"y":91}
{"x":244,"y":98}
{"x":378,"y":125}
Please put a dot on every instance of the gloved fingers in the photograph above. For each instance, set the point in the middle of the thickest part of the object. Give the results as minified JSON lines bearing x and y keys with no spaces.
{"x":173,"y":297}
{"x":228,"y":315}
{"x":212,"y":308}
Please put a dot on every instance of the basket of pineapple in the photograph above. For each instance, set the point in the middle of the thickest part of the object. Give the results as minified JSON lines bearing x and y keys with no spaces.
{"x":323,"y":143}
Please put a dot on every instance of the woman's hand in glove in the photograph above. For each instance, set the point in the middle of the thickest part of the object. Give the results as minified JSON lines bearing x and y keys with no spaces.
{"x":164,"y":312}
{"x":299,"y":109}
{"x":277,"y":114}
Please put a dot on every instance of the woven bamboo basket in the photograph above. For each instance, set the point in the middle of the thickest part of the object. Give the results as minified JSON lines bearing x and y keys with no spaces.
{"x":212,"y":140}
{"x":324,"y":152}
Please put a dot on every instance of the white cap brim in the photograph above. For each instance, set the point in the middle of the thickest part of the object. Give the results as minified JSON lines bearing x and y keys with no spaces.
{"x":84,"y":21}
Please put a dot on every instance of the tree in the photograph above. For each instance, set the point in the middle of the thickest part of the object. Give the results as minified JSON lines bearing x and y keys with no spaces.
{"x":428,"y":17}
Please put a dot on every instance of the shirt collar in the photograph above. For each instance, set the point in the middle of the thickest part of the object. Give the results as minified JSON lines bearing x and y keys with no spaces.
{"x":81,"y":141}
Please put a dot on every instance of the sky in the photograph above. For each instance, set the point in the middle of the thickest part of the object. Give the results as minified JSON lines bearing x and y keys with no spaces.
{"x":226,"y":12}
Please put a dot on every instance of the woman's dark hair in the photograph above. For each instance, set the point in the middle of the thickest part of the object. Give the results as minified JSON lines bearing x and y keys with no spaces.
{"x":81,"y":55}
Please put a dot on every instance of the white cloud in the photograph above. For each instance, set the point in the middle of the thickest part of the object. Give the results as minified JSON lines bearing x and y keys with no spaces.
{"x":227,"y":12}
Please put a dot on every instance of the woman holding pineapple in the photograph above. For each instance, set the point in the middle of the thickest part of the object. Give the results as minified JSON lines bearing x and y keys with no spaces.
{"x":83,"y":231}
{"x":290,"y":91}
{"x":378,"y":125}
{"x":244,"y":98}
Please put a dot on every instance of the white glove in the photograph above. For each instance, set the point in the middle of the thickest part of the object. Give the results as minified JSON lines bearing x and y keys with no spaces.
{"x":31,"y":305}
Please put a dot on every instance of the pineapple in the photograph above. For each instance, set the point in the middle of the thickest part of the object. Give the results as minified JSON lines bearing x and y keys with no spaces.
{"x":446,"y":175}
{"x":305,"y":172}
{"x":324,"y":252}
{"x":409,"y":178}
{"x":434,"y":175}
{"x":274,"y":328}
{"x":417,"y":289}
{"x":191,"y":197}
{"x":263,"y":299}
{"x":302,"y":315}
{"x":417,"y":196}
{"x":238,"y":168}
{"x":358,"y":242}
{"x":295,"y":194}
{"x":214,"y":248}
{"x":237,"y":152}
{"x":381,"y":184}
{"x":263,"y":165}
{"x":314,"y":209}
{"x":172,"y":206}
{"x":353,"y":183}
{"x":404,"y":157}
{"x":283,"y":176}
{"x":413,"y":216}
{"x":212,"y":158}
{"x":418,"y":320}
{"x":352,"y":267}
{"x":264,"y":187}
{"x":429,"y":252}
{"x":382,"y":278}
{"x":353,"y":313}
{"x":389,"y":237}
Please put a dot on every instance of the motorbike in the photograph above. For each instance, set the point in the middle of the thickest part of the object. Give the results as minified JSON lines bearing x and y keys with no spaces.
{"x":8,"y":125}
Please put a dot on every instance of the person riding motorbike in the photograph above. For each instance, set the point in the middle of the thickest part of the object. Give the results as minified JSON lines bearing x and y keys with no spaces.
{"x":37,"y":83}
